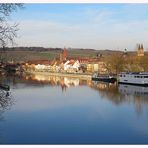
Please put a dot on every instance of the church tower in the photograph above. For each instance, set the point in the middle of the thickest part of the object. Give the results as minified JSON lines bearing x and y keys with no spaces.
{"x":64,"y":54}
{"x":140,"y":51}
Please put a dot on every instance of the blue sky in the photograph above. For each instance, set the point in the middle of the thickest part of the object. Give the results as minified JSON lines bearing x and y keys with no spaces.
{"x":99,"y":26}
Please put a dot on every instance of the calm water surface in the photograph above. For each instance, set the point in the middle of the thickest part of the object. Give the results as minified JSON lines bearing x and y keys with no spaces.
{"x":53,"y":110}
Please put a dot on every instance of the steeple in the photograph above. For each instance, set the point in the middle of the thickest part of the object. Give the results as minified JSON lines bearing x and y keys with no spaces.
{"x":65,"y":53}
{"x":141,"y":46}
{"x":140,"y":51}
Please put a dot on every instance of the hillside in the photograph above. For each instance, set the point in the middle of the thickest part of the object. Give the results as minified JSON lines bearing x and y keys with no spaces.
{"x":40,"y":53}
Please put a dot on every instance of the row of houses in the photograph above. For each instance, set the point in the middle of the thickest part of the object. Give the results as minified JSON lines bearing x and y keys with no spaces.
{"x":69,"y":65}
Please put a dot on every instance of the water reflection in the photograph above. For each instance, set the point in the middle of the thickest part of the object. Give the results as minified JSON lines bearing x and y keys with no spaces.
{"x":113,"y":92}
{"x":133,"y":90}
{"x":6,"y":101}
{"x":64,"y":82}
{"x":136,"y":94}
{"x":117,"y":94}
{"x":85,"y":113}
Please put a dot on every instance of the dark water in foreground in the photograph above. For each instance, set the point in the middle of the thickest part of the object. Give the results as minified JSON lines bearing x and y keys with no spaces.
{"x":53,"y":110}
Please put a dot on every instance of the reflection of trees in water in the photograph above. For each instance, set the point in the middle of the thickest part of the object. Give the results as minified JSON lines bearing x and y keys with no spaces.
{"x":112,"y":93}
{"x":109,"y":91}
{"x":6,"y":101}
{"x":8,"y":79}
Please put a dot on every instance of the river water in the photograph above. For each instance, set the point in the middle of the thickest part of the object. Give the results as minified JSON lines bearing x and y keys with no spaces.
{"x":54,"y":110}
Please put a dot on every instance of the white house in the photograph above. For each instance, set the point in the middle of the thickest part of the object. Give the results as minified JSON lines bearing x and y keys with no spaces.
{"x":76,"y":65}
{"x":72,"y":65}
{"x":66,"y":66}
{"x":39,"y":67}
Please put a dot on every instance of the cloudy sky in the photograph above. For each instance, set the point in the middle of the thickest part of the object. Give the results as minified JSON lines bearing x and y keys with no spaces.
{"x":99,"y":26}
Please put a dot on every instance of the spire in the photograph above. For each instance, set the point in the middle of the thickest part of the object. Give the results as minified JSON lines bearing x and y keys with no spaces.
{"x":141,"y":46}
{"x":140,"y":50}
{"x":64,"y":54}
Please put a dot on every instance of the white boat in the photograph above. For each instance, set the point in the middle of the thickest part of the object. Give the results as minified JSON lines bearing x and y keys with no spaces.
{"x":140,"y":78}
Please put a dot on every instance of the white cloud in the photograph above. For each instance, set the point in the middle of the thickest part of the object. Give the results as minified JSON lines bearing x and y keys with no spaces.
{"x":100,"y":30}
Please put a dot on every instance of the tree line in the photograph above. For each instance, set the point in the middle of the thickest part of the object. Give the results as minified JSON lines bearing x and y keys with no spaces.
{"x":117,"y":63}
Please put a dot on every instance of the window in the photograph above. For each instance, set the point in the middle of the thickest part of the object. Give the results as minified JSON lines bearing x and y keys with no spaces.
{"x":145,"y":76}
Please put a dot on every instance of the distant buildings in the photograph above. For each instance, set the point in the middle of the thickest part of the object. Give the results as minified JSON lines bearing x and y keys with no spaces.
{"x":140,"y":51}
{"x":68,"y":65}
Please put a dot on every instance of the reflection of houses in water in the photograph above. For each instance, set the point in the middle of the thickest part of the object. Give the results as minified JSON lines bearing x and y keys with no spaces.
{"x":68,"y":82}
{"x":41,"y":78}
{"x":71,"y":81}
{"x":54,"y":80}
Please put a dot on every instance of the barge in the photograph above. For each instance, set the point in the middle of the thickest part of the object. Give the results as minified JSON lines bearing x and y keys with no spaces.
{"x":104,"y":78}
{"x":138,"y":78}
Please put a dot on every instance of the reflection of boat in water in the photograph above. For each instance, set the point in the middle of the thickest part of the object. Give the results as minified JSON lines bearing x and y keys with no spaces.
{"x":133,"y":90}
{"x":104,"y":78}
{"x":140,"y":78}
{"x":103,"y":85}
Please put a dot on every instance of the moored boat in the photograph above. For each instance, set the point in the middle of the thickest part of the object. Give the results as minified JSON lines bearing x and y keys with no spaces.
{"x":138,"y":78}
{"x":104,"y":78}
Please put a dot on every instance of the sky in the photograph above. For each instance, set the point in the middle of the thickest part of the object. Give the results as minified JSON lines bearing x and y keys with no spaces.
{"x":98,"y":26}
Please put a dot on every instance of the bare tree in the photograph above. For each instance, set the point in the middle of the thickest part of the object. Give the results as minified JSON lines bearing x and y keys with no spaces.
{"x":7,"y":31}
{"x":115,"y":63}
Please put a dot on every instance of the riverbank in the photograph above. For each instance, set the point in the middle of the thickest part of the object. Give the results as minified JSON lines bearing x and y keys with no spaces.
{"x":72,"y":75}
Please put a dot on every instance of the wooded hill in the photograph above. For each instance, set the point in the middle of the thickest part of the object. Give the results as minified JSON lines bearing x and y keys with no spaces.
{"x":41,"y":53}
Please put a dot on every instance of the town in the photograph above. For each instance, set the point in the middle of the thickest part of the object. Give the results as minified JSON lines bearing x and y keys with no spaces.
{"x":111,"y":63}
{"x":73,"y":73}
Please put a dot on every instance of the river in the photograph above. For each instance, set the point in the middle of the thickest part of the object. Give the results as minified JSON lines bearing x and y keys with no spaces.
{"x":42,"y":109}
